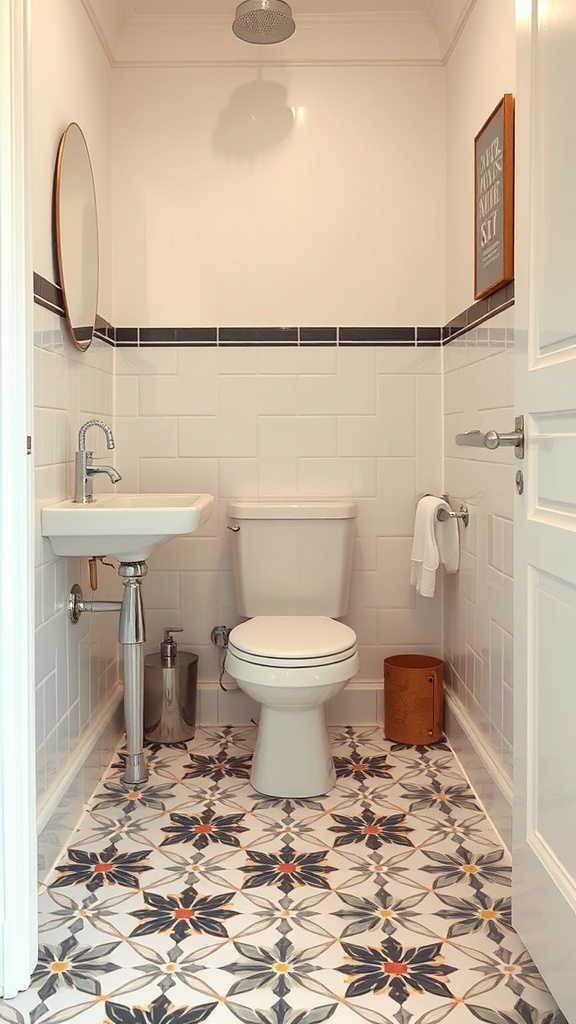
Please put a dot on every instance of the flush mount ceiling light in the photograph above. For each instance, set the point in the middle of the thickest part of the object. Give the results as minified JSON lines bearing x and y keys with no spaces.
{"x":263,"y":21}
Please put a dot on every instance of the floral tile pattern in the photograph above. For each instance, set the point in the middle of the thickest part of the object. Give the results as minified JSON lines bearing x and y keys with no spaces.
{"x":196,"y":898}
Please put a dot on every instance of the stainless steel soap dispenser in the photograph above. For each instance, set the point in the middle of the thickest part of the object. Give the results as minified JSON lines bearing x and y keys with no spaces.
{"x":170,"y":684}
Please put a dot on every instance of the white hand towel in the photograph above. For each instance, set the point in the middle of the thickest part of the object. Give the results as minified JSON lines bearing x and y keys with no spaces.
{"x":434,"y":542}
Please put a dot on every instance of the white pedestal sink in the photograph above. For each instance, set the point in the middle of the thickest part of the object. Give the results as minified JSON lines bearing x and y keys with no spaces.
{"x":124,"y":526}
{"x":127,"y":527}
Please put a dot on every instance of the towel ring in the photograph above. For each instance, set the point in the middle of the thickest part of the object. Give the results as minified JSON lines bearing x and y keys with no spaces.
{"x":443,"y":514}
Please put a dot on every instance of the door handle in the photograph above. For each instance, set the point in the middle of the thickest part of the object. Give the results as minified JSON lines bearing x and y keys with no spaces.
{"x":492,"y":439}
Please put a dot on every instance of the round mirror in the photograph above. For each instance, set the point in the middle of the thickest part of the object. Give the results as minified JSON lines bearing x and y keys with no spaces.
{"x":76,"y":227}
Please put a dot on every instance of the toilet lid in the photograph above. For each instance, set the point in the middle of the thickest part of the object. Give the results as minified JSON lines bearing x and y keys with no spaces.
{"x":292,"y":639}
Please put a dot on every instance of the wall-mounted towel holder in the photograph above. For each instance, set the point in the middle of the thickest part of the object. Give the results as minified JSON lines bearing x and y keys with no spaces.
{"x":443,"y":514}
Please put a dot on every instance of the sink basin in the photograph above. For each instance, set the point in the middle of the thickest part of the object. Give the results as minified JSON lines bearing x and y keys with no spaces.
{"x":125,"y":526}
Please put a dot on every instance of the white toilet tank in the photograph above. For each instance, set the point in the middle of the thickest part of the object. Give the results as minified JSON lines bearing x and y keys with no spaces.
{"x":292,"y":556}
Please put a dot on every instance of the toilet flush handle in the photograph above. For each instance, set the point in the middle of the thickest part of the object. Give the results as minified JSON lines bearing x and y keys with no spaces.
{"x":235,"y":528}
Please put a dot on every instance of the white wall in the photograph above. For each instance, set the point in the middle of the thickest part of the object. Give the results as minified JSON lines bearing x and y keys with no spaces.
{"x":76,"y":666}
{"x":480,"y":70}
{"x":479,"y":394}
{"x":71,"y":81}
{"x":271,"y":421}
{"x":220,"y":220}
{"x":295,"y":195}
{"x":77,"y":687}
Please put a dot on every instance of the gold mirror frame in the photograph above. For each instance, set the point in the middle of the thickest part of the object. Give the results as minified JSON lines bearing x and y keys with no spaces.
{"x":76,"y":231}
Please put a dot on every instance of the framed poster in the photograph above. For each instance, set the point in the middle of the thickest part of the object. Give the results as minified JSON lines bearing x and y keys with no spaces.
{"x":494,"y":200}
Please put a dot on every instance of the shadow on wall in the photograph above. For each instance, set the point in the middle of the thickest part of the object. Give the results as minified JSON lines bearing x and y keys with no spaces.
{"x":257,"y":119}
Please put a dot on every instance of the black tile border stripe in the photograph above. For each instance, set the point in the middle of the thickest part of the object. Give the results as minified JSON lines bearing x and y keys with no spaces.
{"x":177,"y":335}
{"x":428,"y":334}
{"x":318,"y":334}
{"x":256,"y":335}
{"x":50,"y":296}
{"x":394,"y":335}
{"x":126,"y":335}
{"x":478,"y":313}
{"x":104,"y":330}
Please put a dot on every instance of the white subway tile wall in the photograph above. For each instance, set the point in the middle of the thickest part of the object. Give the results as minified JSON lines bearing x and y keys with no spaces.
{"x":362,"y":421}
{"x":76,"y":673}
{"x":479,"y":394}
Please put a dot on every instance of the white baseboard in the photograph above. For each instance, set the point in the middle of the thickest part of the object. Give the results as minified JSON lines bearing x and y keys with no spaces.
{"x":487,"y":779}
{"x":60,"y":812}
{"x":357,"y":704}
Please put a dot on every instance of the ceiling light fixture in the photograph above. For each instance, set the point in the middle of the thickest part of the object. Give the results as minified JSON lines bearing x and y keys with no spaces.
{"x":263,"y":21}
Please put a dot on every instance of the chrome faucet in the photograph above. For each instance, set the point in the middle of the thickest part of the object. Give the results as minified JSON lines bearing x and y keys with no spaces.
{"x":84,"y":470}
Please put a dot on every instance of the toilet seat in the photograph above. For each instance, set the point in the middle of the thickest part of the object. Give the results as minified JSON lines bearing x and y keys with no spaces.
{"x":292,"y":641}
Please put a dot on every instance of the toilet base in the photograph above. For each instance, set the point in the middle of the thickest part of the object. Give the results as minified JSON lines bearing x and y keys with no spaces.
{"x":292,"y":756}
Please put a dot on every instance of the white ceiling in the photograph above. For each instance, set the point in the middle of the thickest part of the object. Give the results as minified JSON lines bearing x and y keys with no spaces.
{"x":177,"y":32}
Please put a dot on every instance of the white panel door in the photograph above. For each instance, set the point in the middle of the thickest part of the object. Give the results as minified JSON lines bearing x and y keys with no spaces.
{"x":544,"y":877}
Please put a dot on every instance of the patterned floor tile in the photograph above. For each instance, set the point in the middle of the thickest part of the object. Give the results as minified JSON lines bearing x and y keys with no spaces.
{"x":196,"y":898}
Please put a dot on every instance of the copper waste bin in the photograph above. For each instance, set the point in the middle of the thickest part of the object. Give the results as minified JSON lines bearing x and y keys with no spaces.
{"x":413,"y":698}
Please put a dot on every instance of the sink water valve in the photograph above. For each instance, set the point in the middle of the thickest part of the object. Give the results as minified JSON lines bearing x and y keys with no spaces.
{"x":219,"y":636}
{"x":93,"y":569}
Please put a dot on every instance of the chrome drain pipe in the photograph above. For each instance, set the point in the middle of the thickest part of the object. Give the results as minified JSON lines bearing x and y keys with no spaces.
{"x":131,"y":628}
{"x":131,"y":635}
{"x":135,"y":771}
{"x":77,"y":604}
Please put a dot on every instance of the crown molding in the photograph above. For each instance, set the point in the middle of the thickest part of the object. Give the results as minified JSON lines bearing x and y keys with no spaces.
{"x":108,"y":23}
{"x":448,"y":19}
{"x":337,"y":38}
{"x":303,"y":62}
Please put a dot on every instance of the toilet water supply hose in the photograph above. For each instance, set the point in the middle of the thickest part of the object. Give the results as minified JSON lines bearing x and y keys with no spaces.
{"x":219,"y":637}
{"x":223,"y":673}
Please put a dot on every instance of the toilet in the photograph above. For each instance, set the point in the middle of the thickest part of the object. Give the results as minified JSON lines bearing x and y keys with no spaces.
{"x":292,"y":562}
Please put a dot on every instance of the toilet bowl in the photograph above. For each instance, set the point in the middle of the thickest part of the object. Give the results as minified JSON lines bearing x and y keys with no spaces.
{"x":292,"y":561}
{"x":291,"y":665}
